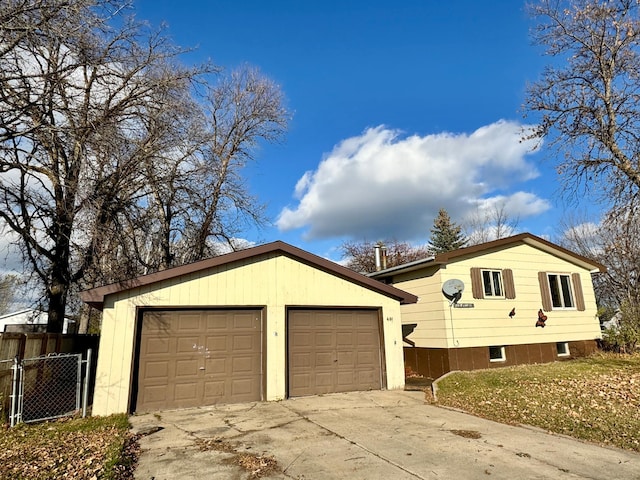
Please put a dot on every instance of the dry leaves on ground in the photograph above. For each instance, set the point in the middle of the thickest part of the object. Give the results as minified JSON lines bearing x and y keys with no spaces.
{"x":595,"y":399}
{"x":70,"y":448}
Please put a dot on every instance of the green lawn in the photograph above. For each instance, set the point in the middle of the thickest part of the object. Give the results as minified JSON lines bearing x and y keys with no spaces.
{"x":595,"y":399}
{"x":89,"y":448}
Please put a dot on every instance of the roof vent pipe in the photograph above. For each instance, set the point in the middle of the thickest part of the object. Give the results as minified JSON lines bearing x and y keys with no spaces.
{"x":376,"y":249}
{"x":383,"y":256}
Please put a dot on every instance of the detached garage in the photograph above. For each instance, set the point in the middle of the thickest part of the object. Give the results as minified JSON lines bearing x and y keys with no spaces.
{"x":265,"y":323}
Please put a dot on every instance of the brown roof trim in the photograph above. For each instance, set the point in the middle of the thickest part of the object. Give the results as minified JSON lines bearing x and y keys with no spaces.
{"x":528,"y":238}
{"x":96,"y":296}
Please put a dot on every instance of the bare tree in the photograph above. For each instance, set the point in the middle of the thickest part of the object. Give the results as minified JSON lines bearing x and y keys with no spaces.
{"x":588,"y":97}
{"x":614,"y":241}
{"x":111,"y":164}
{"x":490,"y":223}
{"x":360,"y":256}
{"x":73,"y":100}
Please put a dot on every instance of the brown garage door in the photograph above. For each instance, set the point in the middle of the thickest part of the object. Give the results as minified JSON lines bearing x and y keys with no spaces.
{"x":333,"y":351}
{"x":199,"y":357}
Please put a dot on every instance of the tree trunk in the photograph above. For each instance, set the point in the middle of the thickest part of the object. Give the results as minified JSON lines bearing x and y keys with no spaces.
{"x":57,"y":296}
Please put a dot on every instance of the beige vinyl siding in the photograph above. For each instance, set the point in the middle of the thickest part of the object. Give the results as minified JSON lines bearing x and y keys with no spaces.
{"x":429,"y":312}
{"x":271,"y":282}
{"x":488,"y":323}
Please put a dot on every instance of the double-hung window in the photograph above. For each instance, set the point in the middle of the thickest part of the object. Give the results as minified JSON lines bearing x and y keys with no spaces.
{"x":561,"y":291}
{"x":492,"y":283}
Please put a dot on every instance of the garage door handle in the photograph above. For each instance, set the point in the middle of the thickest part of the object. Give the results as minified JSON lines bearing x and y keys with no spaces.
{"x":201,"y":368}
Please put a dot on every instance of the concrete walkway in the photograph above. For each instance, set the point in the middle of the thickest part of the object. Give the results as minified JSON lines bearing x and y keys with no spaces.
{"x":362,"y":435}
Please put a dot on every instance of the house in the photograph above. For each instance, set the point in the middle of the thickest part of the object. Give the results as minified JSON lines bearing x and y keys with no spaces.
{"x":264,"y":323}
{"x":30,"y":321}
{"x":511,"y":301}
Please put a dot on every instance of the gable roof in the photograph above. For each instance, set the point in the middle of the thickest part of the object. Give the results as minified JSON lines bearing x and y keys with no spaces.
{"x":96,"y":296}
{"x":526,"y":238}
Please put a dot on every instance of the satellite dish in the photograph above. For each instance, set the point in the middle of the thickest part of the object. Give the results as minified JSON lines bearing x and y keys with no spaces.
{"x":452,"y":289}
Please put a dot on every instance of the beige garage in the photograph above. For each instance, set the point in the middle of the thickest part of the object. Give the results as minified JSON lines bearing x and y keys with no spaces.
{"x":263,"y":323}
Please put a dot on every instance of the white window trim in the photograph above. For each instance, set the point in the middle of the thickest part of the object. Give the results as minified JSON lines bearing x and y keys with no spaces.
{"x":503,"y":355}
{"x":566,"y":353}
{"x":571,"y":292}
{"x":491,"y":271}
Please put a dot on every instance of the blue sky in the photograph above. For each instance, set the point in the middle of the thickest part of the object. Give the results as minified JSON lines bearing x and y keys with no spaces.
{"x":399,"y":109}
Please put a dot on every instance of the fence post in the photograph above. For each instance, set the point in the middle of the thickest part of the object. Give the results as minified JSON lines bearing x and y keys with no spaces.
{"x":14,"y":392}
{"x":86,"y":384}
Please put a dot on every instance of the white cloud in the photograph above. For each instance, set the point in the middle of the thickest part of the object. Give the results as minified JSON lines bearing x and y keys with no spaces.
{"x":380,"y":184}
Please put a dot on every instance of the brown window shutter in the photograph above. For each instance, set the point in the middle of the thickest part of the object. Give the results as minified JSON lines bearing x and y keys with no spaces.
{"x":577,"y":291}
{"x":476,"y":283}
{"x":509,"y":286}
{"x":544,"y":291}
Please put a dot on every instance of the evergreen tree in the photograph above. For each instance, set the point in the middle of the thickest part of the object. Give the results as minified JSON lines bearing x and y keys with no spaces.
{"x":445,"y":234}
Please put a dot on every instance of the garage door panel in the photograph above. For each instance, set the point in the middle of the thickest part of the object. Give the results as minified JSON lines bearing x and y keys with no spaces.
{"x":216,"y":343}
{"x":344,"y":338}
{"x":215,"y":366}
{"x":217,"y":322}
{"x":300,"y":361}
{"x":214,"y":392}
{"x":156,"y":394}
{"x":244,"y":342}
{"x":321,"y":320}
{"x":189,"y":322}
{"x":242,"y":365}
{"x":366,"y":337}
{"x":324,"y":339}
{"x":333,"y":351}
{"x":346,"y":358}
{"x":241,"y":387}
{"x":323,"y":379}
{"x":344,"y":378}
{"x":243,"y":321}
{"x":183,"y":366}
{"x":186,"y":392}
{"x":366,"y":359}
{"x":157,"y":370}
{"x":324,"y":359}
{"x":157,"y":345}
{"x":302,"y":339}
{"x":187,"y":344}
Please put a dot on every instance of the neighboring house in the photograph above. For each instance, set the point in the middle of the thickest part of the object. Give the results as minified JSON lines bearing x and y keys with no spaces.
{"x":30,"y":321}
{"x":265,"y":323}
{"x":515,"y":300}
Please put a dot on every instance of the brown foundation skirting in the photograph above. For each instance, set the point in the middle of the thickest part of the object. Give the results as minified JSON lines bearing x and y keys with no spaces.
{"x":435,"y":362}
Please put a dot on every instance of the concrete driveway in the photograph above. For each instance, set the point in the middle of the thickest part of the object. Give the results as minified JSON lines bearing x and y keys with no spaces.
{"x":361,"y":435}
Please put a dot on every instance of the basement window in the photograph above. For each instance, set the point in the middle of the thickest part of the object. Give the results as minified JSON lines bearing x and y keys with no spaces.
{"x":496,"y":354}
{"x":563,"y":349}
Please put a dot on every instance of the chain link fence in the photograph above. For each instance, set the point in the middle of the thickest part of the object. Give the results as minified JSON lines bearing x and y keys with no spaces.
{"x":48,"y":387}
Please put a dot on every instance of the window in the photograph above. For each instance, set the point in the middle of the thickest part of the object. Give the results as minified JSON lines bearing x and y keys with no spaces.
{"x":492,"y":283}
{"x":560,"y":288}
{"x":561,"y":291}
{"x":563,"y":349}
{"x":496,"y":354}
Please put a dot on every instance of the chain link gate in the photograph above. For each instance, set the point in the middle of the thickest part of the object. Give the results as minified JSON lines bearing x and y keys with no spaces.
{"x":48,"y":387}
